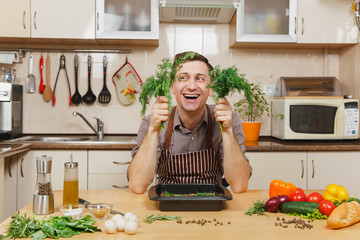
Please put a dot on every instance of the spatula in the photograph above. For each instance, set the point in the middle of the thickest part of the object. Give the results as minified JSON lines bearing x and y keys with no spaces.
{"x":105,"y":95}
{"x":30,"y":78}
{"x":47,"y":95}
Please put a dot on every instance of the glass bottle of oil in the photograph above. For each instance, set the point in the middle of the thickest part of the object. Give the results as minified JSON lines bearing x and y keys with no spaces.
{"x":71,"y":184}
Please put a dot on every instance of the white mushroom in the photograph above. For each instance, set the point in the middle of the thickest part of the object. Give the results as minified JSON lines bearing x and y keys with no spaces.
{"x":120,"y":223}
{"x":130,"y":217}
{"x":109,"y":227}
{"x":130,"y":227}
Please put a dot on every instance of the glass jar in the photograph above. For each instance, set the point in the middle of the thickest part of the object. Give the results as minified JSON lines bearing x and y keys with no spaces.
{"x":71,"y":184}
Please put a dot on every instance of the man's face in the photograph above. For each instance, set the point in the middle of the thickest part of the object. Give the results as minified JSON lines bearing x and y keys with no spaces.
{"x":190,"y":92}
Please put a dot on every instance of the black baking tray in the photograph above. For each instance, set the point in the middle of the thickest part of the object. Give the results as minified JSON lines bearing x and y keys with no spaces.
{"x":189,"y":203}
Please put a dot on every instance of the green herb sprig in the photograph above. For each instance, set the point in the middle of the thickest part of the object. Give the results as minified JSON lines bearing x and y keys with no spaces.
{"x":159,"y":217}
{"x":258,"y":208}
{"x":226,"y":81}
{"x":160,"y":83}
{"x":54,"y":227}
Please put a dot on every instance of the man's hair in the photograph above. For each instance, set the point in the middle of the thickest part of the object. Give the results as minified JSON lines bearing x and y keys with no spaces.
{"x":197,"y":57}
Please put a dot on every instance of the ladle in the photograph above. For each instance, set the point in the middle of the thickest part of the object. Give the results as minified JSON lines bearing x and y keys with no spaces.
{"x":89,"y":97}
{"x":76,"y":98}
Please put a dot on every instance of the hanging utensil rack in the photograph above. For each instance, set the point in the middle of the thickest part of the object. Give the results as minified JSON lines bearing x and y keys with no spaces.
{"x":22,"y":51}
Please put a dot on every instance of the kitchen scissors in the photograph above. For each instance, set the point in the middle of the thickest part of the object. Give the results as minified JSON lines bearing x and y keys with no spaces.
{"x":62,"y":66}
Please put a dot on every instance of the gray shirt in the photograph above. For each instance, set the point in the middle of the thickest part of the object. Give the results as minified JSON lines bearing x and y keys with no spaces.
{"x":187,"y":141}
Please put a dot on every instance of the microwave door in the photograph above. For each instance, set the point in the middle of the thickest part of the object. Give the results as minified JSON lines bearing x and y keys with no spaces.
{"x":312,"y":119}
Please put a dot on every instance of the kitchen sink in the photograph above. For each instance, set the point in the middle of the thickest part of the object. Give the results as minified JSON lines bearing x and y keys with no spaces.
{"x":56,"y":139}
{"x":76,"y":139}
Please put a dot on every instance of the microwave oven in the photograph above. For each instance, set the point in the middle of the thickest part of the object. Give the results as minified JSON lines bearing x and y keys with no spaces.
{"x":315,"y":118}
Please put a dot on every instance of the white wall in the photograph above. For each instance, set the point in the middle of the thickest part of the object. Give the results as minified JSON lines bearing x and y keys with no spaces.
{"x":264,"y":65}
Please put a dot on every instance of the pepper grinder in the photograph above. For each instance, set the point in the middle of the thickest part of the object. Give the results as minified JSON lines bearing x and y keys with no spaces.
{"x":43,"y":200}
{"x":71,"y":183}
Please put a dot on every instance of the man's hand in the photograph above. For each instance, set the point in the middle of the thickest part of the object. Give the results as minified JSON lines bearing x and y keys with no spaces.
{"x":223,"y":114}
{"x":159,"y":113}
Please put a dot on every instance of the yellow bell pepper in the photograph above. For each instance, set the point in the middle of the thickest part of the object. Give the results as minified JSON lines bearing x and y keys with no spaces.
{"x":335,"y":192}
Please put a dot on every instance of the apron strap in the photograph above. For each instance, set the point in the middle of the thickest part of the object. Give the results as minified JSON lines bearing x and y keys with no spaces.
{"x":169,"y":129}
{"x":209,"y":129}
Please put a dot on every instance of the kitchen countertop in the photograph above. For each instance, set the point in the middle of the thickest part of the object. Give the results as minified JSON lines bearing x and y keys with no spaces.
{"x":274,"y":144}
{"x":241,"y":226}
{"x":114,"y":142}
{"x":12,"y":149}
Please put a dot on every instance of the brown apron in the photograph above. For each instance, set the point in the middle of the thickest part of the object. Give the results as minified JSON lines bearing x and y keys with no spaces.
{"x":193,"y":167}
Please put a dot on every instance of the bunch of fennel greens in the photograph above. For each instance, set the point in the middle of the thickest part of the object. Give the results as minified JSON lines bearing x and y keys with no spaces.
{"x":226,"y":81}
{"x":160,"y":83}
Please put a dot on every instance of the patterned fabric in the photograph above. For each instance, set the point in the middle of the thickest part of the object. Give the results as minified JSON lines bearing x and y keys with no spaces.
{"x":193,"y":167}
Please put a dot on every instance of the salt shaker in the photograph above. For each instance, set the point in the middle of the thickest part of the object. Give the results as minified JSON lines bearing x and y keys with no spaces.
{"x":43,"y":200}
{"x":71,"y":184}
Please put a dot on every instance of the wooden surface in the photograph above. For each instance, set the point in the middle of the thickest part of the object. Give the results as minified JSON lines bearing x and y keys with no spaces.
{"x":241,"y":226}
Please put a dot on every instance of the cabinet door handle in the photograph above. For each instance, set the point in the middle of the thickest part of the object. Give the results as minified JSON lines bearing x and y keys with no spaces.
{"x":21,"y":168}
{"x":120,"y":187}
{"x":302,"y":168}
{"x":295,"y":24}
{"x":24,"y":20}
{"x":10,"y":162}
{"x":313,"y":168}
{"x":302,"y":28}
{"x":121,"y":163}
{"x":97,"y":21}
{"x":35,"y":20}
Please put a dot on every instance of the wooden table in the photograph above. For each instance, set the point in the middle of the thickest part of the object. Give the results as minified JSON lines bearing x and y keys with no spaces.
{"x":241,"y":226}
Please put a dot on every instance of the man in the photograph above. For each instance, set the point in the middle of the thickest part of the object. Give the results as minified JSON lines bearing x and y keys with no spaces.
{"x":191,"y":149}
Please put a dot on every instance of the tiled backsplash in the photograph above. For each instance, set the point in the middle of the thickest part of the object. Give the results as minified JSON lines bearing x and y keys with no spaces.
{"x":264,"y":65}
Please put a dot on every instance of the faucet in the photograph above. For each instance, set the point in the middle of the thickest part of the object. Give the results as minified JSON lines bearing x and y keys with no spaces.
{"x":100,"y":125}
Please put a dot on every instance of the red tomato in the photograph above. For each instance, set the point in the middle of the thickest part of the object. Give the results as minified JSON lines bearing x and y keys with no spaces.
{"x":299,"y":190}
{"x":326,"y":207}
{"x":298,"y":197}
{"x":315,"y":197}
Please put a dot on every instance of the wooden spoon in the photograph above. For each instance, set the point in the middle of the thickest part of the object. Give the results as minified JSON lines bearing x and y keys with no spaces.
{"x":47,"y":95}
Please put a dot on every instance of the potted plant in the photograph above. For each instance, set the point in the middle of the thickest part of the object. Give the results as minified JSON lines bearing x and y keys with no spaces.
{"x":251,"y":111}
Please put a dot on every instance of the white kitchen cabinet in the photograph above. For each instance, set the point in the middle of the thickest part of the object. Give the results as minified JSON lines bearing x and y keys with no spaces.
{"x":340,"y":168}
{"x":266,"y":21}
{"x":59,"y":157}
{"x":326,"y":22}
{"x":27,"y":173}
{"x":63,"y":19}
{"x":286,"y":166}
{"x":108,"y":169}
{"x":10,"y":186}
{"x":127,"y":19}
{"x":294,"y":21}
{"x":15,"y":18}
{"x":308,"y":170}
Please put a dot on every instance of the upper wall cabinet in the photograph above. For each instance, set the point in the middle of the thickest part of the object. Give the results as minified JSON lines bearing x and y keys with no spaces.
{"x":266,"y":21}
{"x":15,"y":18}
{"x":127,"y":19}
{"x":326,"y":22}
{"x":293,"y":21}
{"x":63,"y":19}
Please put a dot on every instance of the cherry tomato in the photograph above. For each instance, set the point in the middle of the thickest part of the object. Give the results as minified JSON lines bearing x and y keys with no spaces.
{"x":315,"y":197}
{"x":299,"y":190}
{"x":326,"y":207}
{"x":298,"y":197}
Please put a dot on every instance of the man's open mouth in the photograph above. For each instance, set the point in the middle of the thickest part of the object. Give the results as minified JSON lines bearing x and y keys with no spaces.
{"x":191,"y":97}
